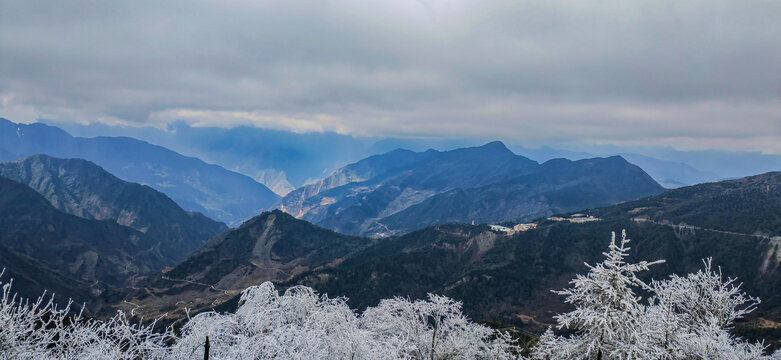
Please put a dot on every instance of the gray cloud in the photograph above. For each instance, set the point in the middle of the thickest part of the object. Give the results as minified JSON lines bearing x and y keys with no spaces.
{"x":688,"y":74}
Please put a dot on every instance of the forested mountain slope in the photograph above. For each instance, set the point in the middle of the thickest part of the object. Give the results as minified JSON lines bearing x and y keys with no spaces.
{"x":100,"y":253}
{"x":750,"y":205}
{"x":32,"y":278}
{"x":273,"y":246}
{"x":79,"y":187}
{"x":500,"y":278}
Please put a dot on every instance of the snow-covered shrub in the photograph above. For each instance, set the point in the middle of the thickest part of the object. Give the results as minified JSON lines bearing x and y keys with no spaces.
{"x":297,"y":325}
{"x":300,"y":324}
{"x":434,"y":329}
{"x":685,"y":317}
{"x":693,"y":314}
{"x":40,"y":330}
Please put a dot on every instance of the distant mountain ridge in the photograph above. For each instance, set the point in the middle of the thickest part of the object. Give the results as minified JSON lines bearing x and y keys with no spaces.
{"x":284,"y":160}
{"x":195,"y":185}
{"x":668,"y":173}
{"x":81,"y":188}
{"x":401,"y":191}
{"x":555,"y":186}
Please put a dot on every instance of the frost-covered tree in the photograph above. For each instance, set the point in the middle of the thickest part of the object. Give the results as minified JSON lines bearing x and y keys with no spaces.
{"x":692,"y":315}
{"x":41,"y":330}
{"x":685,"y":317}
{"x":434,"y":329}
{"x":607,"y":310}
{"x":299,"y":324}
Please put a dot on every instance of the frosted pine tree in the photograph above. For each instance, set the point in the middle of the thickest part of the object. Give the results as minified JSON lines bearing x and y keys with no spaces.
{"x":607,"y":311}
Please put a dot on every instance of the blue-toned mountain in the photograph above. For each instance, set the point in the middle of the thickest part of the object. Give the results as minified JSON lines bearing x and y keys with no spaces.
{"x":195,"y":185}
{"x":402,"y":190}
{"x":555,"y":186}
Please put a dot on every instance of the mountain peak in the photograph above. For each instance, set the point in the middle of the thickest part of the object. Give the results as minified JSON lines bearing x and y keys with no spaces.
{"x":263,"y":218}
{"x":495,"y":146}
{"x":277,"y":219}
{"x":493,"y":151}
{"x":272,"y":246}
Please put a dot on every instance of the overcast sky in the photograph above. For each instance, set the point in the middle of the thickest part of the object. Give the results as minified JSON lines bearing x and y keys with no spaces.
{"x":687,"y":74}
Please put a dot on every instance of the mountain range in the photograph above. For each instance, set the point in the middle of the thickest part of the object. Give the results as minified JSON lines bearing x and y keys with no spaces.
{"x":284,"y":160}
{"x":403,"y":223}
{"x":668,"y":172}
{"x":220,"y":194}
{"x":501,"y":278}
{"x":402,"y":190}
{"x":555,"y":186}
{"x":135,"y":230}
{"x":507,"y":278}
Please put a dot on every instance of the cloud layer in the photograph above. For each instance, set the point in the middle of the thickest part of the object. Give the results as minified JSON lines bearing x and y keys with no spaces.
{"x":689,"y":74}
